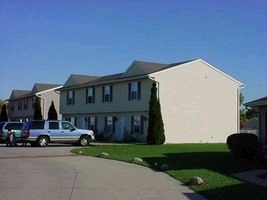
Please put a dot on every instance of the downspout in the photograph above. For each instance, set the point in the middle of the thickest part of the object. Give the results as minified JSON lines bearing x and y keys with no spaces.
{"x":238,"y":107}
{"x":154,"y":79}
{"x":238,"y":110}
{"x":44,"y":103}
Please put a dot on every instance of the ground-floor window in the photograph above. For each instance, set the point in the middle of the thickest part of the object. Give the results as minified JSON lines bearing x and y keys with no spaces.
{"x":73,"y":120}
{"x":137,"y":124}
{"x":92,"y":123}
{"x":109,"y":124}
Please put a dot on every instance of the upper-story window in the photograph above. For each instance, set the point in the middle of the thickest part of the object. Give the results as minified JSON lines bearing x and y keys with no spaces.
{"x":19,"y":104}
{"x":134,"y":90}
{"x":33,"y":101}
{"x":11,"y":106}
{"x":107,"y":93}
{"x":70,"y":97}
{"x":25,"y":104}
{"x":90,"y":95}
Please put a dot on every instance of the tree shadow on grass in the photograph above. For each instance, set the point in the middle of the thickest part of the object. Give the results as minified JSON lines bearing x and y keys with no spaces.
{"x":244,"y":191}
{"x":222,"y":162}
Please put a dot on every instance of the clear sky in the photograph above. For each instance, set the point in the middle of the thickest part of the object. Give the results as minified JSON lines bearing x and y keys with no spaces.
{"x":46,"y":41}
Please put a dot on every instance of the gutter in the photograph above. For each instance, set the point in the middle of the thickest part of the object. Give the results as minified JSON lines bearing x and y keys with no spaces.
{"x":44,"y":102}
{"x":154,"y":79}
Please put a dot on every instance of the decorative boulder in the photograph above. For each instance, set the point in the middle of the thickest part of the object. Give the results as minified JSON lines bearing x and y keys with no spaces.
{"x":104,"y":155}
{"x":164,"y":167}
{"x":195,"y":181}
{"x":137,"y":160}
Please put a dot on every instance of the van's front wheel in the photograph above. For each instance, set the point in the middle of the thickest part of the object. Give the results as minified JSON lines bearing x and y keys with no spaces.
{"x":84,"y":140}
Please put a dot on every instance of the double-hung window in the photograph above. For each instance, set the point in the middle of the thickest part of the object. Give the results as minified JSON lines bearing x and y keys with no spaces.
{"x":109,"y":124}
{"x":19,"y":104}
{"x":134,"y":90}
{"x":33,"y":102}
{"x":25,"y":104}
{"x":137,"y":124}
{"x":11,"y":105}
{"x":107,"y":93}
{"x":70,"y":97}
{"x":90,"y":95}
{"x":92,"y":123}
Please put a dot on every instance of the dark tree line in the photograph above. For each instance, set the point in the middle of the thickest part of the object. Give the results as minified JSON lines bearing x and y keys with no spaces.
{"x":3,"y":114}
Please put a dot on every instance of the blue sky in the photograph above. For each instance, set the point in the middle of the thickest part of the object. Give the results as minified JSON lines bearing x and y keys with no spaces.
{"x":46,"y":41}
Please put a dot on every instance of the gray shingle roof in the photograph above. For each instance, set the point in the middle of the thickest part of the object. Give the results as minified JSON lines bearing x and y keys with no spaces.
{"x":18,"y":93}
{"x":257,"y":102}
{"x":136,"y":69}
{"x":39,"y":87}
{"x":78,"y":79}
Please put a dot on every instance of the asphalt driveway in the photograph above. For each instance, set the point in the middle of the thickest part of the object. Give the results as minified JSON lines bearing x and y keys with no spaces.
{"x":54,"y":173}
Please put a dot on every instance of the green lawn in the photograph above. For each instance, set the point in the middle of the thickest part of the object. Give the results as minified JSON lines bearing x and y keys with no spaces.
{"x":212,"y":162}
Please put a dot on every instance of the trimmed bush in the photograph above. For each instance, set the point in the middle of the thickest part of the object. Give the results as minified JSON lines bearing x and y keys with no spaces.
{"x":245,"y":145}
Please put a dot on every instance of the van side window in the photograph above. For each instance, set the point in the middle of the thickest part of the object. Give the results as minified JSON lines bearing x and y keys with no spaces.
{"x":53,"y":125}
{"x":37,"y":125}
{"x":14,"y":126}
{"x":67,"y":126}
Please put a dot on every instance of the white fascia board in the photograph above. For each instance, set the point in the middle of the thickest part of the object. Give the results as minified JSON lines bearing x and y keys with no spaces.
{"x":51,"y":89}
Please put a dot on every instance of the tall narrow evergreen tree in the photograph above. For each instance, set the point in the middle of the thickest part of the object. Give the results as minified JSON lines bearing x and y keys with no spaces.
{"x":155,"y":132}
{"x":52,"y":113}
{"x":37,"y":110}
{"x":3,"y":115}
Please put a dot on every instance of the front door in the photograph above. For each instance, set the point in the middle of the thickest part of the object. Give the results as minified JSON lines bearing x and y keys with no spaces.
{"x":121,"y":127}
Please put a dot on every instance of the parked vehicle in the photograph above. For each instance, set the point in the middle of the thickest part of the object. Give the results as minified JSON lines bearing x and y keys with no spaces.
{"x":15,"y":127}
{"x":42,"y":132}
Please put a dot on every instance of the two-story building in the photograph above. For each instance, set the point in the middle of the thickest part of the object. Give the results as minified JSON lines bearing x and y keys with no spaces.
{"x":199,"y":103}
{"x":260,"y":105}
{"x":21,"y":102}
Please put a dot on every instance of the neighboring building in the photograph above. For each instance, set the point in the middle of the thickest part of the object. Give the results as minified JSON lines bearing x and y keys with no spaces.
{"x":199,"y":103}
{"x":260,"y":105}
{"x":21,"y":102}
{"x":251,"y":126}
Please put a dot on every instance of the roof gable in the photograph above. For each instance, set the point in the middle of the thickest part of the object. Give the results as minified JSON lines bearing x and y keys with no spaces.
{"x":138,"y":68}
{"x":77,"y":79}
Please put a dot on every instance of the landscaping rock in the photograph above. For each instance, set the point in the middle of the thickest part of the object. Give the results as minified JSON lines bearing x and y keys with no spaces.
{"x":195,"y":181}
{"x":137,"y":160}
{"x":164,"y":167}
{"x":104,"y":155}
